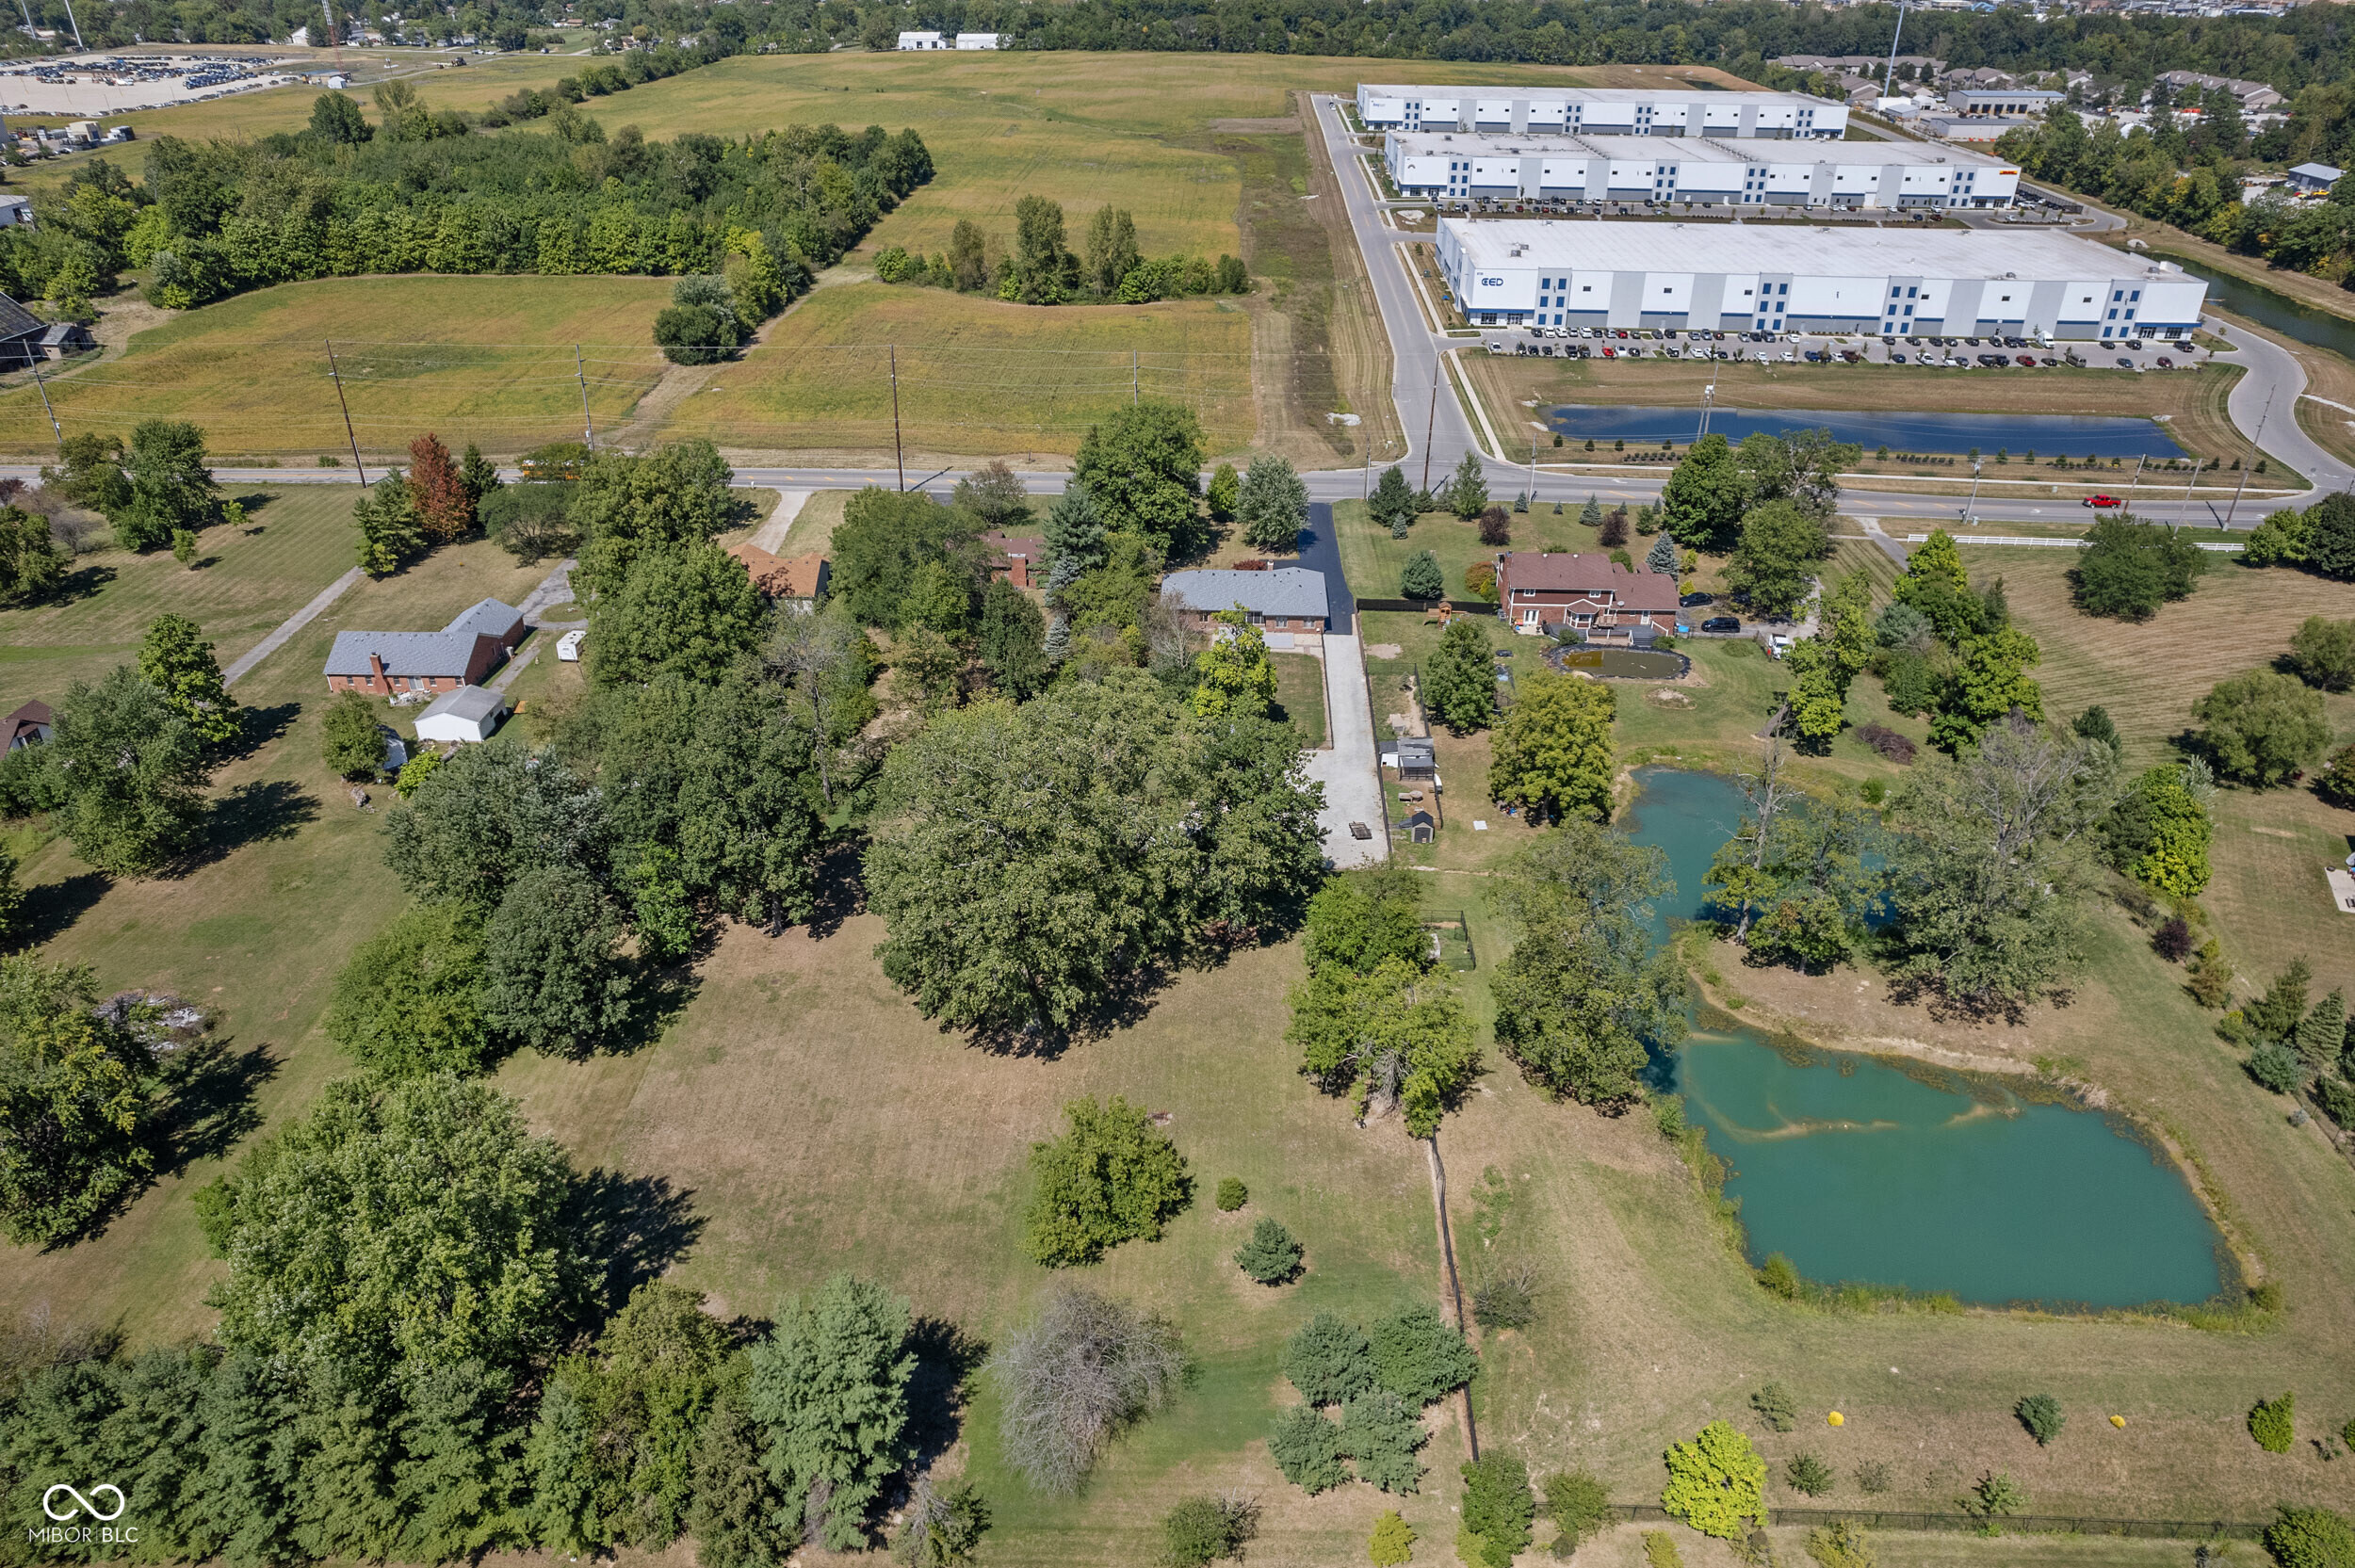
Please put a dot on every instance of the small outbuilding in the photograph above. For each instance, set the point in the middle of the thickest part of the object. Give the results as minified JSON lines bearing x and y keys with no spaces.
{"x":977,"y":41}
{"x":922,"y":40}
{"x":1421,"y":827}
{"x":568,"y":646}
{"x":2314,"y":179}
{"x":469,"y":714}
{"x":66,"y":338}
{"x":27,"y":726}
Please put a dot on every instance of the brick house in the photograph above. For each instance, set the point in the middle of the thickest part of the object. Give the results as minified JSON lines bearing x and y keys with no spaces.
{"x":1288,"y":605}
{"x":1594,"y":593}
{"x":1020,"y":559}
{"x":477,"y":642}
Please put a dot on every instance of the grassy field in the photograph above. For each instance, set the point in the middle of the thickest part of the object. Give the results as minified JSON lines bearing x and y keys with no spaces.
{"x":299,"y":539}
{"x":976,"y":376}
{"x":1300,"y":694}
{"x":253,"y":370}
{"x":1516,"y":388}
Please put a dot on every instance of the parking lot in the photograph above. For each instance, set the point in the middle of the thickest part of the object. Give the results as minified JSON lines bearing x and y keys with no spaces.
{"x":1956,"y":354}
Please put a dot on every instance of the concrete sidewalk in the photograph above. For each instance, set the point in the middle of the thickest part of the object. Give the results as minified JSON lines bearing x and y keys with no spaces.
{"x":244,"y":663}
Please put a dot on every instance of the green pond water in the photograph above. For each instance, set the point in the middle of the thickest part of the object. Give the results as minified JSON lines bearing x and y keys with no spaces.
{"x":1857,"y":1169}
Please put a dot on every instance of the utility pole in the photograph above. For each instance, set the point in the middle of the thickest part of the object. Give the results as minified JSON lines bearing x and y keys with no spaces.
{"x":54,"y":427}
{"x":1533,"y":475}
{"x":1969,"y":507}
{"x":2193,"y":480}
{"x":78,"y":44}
{"x":1709,"y":402}
{"x":1430,"y":422}
{"x":335,"y":375}
{"x":897,"y":456}
{"x":587,"y":426}
{"x":2135,"y":483}
{"x":2245,"y":464}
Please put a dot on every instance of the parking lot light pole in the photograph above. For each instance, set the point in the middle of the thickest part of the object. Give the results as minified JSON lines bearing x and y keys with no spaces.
{"x":1969,"y":507}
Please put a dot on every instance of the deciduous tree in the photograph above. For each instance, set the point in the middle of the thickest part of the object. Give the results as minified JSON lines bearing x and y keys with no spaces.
{"x":2128,"y":569}
{"x":1705,"y":497}
{"x":175,"y":659}
{"x":1272,"y":505}
{"x":1393,"y":1037}
{"x":2323,"y":652}
{"x":1141,"y":465}
{"x":171,"y":485}
{"x":1716,"y":1483}
{"x":1552,"y":751}
{"x":409,"y":1001}
{"x":444,"y":503}
{"x":78,"y":1093}
{"x":130,"y":770}
{"x":1069,"y":1381}
{"x":626,"y":506}
{"x":688,"y":610}
{"x":1111,"y":1178}
{"x":351,"y":735}
{"x":32,"y":562}
{"x":2262,"y":727}
{"x":1460,"y":681}
{"x":1773,"y":561}
{"x":552,"y":975}
{"x":1233,"y":676}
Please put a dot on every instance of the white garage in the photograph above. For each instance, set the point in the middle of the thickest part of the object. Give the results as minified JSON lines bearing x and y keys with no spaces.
{"x":469,"y":714}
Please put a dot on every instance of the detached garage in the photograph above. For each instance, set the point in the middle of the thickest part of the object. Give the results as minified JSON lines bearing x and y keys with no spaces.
{"x":469,"y":714}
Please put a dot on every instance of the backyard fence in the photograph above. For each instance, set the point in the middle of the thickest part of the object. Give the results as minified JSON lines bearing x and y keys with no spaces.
{"x":2016,"y":1524}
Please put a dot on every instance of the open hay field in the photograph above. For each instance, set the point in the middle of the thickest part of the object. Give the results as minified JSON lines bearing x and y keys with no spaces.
{"x":487,"y":359}
{"x":975,"y":376}
{"x":299,"y":540}
{"x":1517,"y":388}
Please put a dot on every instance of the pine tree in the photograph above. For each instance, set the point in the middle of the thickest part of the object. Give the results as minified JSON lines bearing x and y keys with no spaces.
{"x":445,"y":501}
{"x":738,"y":1519}
{"x":481,"y":476}
{"x":1467,"y":490}
{"x":1392,"y":503}
{"x":2322,"y":1033}
{"x":458,"y":1486}
{"x":1075,"y":540}
{"x":1590,"y":515}
{"x":829,"y":1385}
{"x":1664,"y":555}
{"x":390,"y":533}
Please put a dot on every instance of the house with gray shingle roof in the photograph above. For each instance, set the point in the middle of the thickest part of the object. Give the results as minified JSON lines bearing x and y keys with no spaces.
{"x":20,"y":335}
{"x":1286,"y":603}
{"x":477,"y":640}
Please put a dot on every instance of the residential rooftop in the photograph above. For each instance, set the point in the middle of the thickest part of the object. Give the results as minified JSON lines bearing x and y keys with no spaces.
{"x":1286,"y":590}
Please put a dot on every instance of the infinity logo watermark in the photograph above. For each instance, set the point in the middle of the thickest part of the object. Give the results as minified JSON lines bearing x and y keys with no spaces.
{"x":64,"y":1532}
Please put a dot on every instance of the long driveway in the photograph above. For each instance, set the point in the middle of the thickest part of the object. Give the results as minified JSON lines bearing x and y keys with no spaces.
{"x":1349,"y":768}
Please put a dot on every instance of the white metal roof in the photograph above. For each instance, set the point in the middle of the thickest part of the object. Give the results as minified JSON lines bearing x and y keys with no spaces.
{"x":1633,"y":247}
{"x":1682,"y":148}
{"x":1589,"y":95}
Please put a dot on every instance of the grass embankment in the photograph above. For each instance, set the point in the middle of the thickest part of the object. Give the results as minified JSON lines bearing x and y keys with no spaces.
{"x":253,"y":370}
{"x":1517,"y":388}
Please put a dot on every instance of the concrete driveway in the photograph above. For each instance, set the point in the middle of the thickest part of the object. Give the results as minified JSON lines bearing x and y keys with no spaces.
{"x":1349,"y":768}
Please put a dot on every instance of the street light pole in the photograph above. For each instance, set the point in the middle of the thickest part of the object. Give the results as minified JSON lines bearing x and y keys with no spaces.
{"x":1969,"y":507}
{"x":2255,"y":441}
{"x":2193,"y":480}
{"x":1430,"y":422}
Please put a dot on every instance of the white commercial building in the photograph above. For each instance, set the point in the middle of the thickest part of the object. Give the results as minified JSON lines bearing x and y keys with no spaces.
{"x":1454,"y":165}
{"x":1600,"y":111}
{"x":922,"y":40}
{"x":977,"y":41}
{"x":1760,"y":278}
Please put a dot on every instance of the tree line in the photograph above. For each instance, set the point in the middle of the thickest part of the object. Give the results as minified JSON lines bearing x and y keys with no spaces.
{"x":208,"y":220}
{"x":1043,"y":269}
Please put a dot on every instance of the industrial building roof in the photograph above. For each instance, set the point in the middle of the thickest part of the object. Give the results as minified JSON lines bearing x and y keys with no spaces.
{"x":1286,"y":590}
{"x":1738,"y":248}
{"x":1587,"y":94}
{"x":1682,"y":149}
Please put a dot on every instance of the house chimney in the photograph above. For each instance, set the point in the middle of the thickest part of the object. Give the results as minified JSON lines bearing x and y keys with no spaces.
{"x":378,"y":680}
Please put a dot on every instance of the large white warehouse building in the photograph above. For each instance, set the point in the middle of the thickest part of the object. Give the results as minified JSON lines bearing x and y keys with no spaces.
{"x":1451,"y":164}
{"x":1761,"y":277}
{"x":1600,"y":111}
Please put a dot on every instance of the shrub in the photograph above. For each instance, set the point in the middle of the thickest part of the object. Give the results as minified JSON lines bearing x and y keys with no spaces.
{"x":1496,"y":526}
{"x":1872,"y":1476}
{"x":1418,"y":1357}
{"x":1613,"y":530}
{"x":1716,"y":1483}
{"x":1308,"y":1448}
{"x":1840,"y":1544}
{"x":2042,"y":1415}
{"x":1072,"y":1380}
{"x":1993,"y":1496}
{"x":1806,"y":1472}
{"x":1329,"y":1361}
{"x":2337,"y":1101}
{"x":1776,"y":1407}
{"x":1498,"y":1505}
{"x":351,"y":737}
{"x":2336,"y":782}
{"x":1420,"y":577}
{"x":2172,"y":941}
{"x":2309,"y":1537}
{"x":1112,"y":1178}
{"x":1207,"y":1529}
{"x":1888,"y":742}
{"x":1780,"y":1276}
{"x":2323,"y":652}
{"x":2271,"y":1423}
{"x":1480,"y":581}
{"x":1659,"y":1550}
{"x":1507,"y":1300}
{"x":1577,"y":1504}
{"x":1232,"y":1194}
{"x":1392,"y":1541}
{"x":1271,"y":1256}
{"x":2276,"y":1066}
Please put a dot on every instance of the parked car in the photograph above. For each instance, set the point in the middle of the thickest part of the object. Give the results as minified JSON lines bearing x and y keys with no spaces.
{"x":2027,"y":360}
{"x":1690,"y":600}
{"x":1721,"y":623}
{"x":1896,"y":359}
{"x":2124,"y":363}
{"x":2165,"y":363}
{"x":2104,"y":501}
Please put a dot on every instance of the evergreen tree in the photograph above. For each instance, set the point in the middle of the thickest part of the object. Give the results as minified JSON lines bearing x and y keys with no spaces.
{"x":1663,"y":557}
{"x":1272,"y":505}
{"x":1392,"y":503}
{"x":829,"y":1388}
{"x":480,"y":475}
{"x":1590,"y":515}
{"x":1224,"y":490}
{"x":175,"y":659}
{"x":1013,"y":638}
{"x":1468,"y":489}
{"x":738,"y":1518}
{"x":391,"y":533}
{"x":1075,"y":538}
{"x":1420,"y":577}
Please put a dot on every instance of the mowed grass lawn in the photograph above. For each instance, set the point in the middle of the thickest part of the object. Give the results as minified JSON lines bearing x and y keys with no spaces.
{"x":297,"y":539}
{"x":487,"y":359}
{"x":256,"y":929}
{"x":976,"y":376}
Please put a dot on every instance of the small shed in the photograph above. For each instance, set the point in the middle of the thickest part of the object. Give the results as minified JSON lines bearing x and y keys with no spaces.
{"x":1417,"y":759}
{"x":2314,"y":178}
{"x":1421,"y":827}
{"x":568,"y":646}
{"x":65,"y":338}
{"x":27,"y":726}
{"x":470,"y":713}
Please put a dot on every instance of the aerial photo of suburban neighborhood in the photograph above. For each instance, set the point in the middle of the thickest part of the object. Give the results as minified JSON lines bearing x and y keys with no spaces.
{"x":1112,"y":784}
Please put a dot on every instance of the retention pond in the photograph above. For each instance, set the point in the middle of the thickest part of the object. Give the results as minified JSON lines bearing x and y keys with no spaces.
{"x":1892,"y":1172}
{"x":2053,"y":434}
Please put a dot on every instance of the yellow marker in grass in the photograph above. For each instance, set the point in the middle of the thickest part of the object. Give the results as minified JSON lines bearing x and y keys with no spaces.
{"x":1835,"y":1418}
{"x":2117,"y":1420}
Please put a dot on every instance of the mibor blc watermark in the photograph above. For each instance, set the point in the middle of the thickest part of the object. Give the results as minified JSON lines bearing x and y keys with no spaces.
{"x":80,"y":1520}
